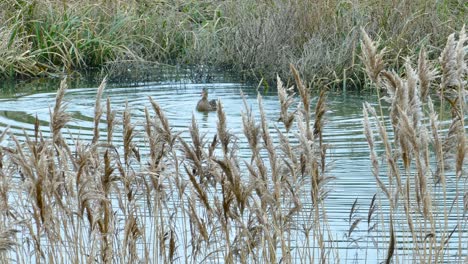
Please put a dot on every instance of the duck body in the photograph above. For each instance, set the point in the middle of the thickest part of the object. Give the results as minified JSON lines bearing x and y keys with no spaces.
{"x":205,"y":105}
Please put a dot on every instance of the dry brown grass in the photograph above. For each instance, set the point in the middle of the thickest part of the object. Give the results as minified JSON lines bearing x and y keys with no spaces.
{"x":423,"y":154}
{"x":180,"y":199}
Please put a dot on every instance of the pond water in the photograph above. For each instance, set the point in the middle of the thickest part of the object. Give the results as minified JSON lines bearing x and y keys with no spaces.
{"x":178,"y":95}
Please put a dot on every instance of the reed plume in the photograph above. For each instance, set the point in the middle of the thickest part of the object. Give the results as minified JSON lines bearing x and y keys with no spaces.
{"x":162,"y":124}
{"x":98,"y":110}
{"x":452,"y":61}
{"x":452,"y":87}
{"x":251,"y":129}
{"x":110,"y":117}
{"x":426,"y":74}
{"x":59,"y":118}
{"x":128,"y":135}
{"x":419,"y":139}
{"x":7,"y":241}
{"x":223,"y":135}
{"x":286,"y":100}
{"x":304,"y":93}
{"x":372,"y":57}
{"x":373,"y":155}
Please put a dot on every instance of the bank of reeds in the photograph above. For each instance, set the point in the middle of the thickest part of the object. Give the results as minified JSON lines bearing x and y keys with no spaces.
{"x":256,"y":38}
{"x":161,"y":196}
{"x":423,"y":157}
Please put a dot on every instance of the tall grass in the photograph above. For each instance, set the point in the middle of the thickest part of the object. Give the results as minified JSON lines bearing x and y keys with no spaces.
{"x":61,"y":36}
{"x":425,"y":157}
{"x":165,"y":197}
{"x":255,"y":38}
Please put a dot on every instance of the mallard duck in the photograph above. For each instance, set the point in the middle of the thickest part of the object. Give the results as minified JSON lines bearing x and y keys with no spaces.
{"x":204,"y":105}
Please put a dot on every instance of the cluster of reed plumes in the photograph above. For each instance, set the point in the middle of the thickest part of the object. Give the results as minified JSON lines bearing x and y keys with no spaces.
{"x":154,"y":195}
{"x":143,"y":192}
{"x":426,"y":157}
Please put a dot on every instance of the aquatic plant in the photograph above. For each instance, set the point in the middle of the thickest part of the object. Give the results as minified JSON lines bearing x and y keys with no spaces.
{"x":424,"y":155}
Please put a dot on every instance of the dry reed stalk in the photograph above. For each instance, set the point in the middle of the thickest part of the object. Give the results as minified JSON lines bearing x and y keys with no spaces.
{"x":252,"y":132}
{"x":389,"y":150}
{"x":371,"y":57}
{"x":223,"y":135}
{"x":286,"y":100}
{"x":312,"y":162}
{"x":353,"y":220}
{"x":59,"y":117}
{"x":392,"y":243}
{"x":198,"y":144}
{"x":409,"y":133}
{"x":414,"y":109}
{"x":373,"y":155}
{"x":319,"y":121}
{"x":199,"y":190}
{"x":155,"y":157}
{"x":128,"y":135}
{"x":462,"y":70}
{"x":110,"y":117}
{"x":371,"y":214}
{"x":196,"y":157}
{"x":392,"y":84}
{"x":268,"y":145}
{"x":412,"y":137}
{"x":454,"y":71}
{"x":439,"y":174}
{"x":304,"y":92}
{"x":250,"y":128}
{"x":7,"y":240}
{"x":162,"y":125}
{"x":132,"y":234}
{"x":453,"y":89}
{"x":450,"y":65}
{"x":98,"y":110}
{"x":6,"y":186}
{"x":156,"y":149}
{"x":426,"y":74}
{"x":38,"y":137}
{"x":290,"y":160}
{"x":320,"y":109}
{"x":199,"y":232}
{"x":415,"y":144}
{"x":234,"y":183}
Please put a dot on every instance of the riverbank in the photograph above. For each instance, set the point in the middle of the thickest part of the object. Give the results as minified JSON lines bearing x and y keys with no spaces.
{"x":256,"y":38}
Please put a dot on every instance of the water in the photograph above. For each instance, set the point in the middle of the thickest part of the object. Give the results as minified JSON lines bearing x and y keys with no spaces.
{"x":178,"y":96}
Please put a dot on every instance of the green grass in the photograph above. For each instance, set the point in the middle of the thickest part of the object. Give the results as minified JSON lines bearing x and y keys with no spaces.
{"x":255,"y":38}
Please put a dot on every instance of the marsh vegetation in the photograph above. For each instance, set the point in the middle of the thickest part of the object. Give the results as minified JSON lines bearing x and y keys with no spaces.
{"x":194,"y":199}
{"x":255,"y":38}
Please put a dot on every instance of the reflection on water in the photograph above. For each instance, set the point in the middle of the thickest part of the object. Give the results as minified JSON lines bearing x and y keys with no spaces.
{"x":349,"y":153}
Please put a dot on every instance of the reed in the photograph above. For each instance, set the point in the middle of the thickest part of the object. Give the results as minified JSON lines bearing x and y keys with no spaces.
{"x":429,"y":154}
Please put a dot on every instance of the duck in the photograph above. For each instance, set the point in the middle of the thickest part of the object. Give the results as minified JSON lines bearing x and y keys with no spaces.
{"x":205,"y":105}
